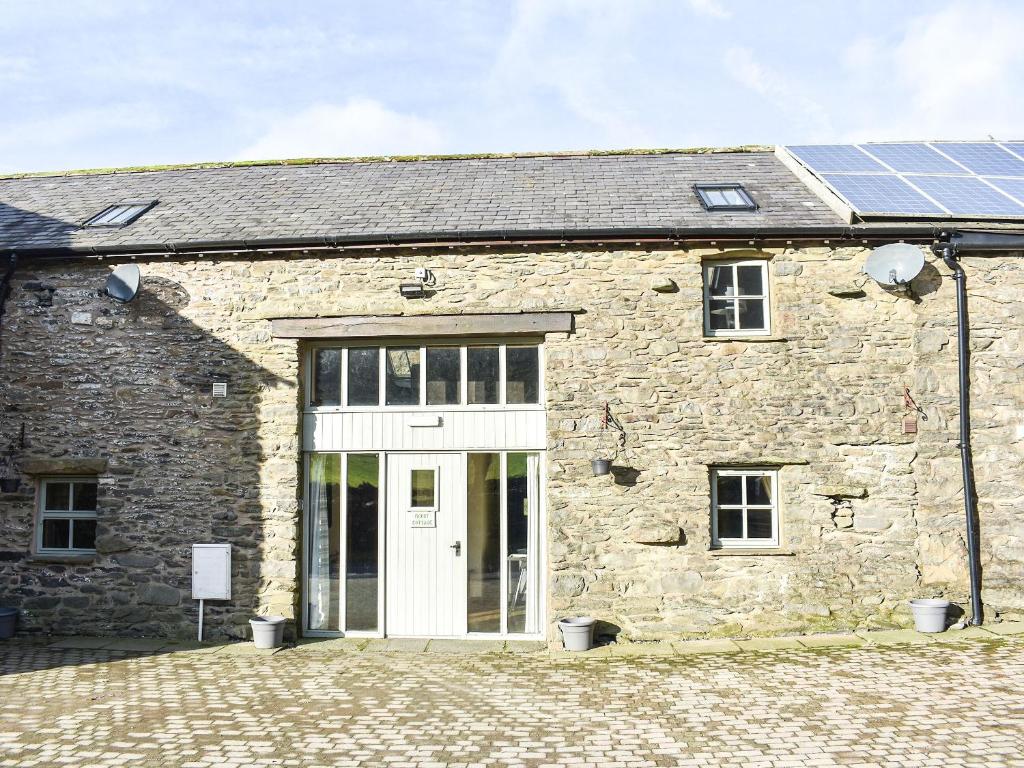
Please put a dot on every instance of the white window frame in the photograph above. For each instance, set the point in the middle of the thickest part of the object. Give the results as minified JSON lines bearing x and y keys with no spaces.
{"x":461,"y":344}
{"x":744,"y":542}
{"x":765,"y":297}
{"x":70,"y":514}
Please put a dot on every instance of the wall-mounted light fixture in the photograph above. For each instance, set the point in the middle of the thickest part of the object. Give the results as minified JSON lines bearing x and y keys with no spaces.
{"x":418,"y":290}
{"x":412,"y":290}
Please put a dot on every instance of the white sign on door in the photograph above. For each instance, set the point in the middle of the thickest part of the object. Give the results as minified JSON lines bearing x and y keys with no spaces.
{"x":423,"y":518}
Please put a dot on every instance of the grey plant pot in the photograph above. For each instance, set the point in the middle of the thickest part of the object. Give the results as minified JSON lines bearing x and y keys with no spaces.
{"x":601,"y":466}
{"x":577,"y":633}
{"x":267,"y":631}
{"x":929,"y":615}
{"x":8,"y":620}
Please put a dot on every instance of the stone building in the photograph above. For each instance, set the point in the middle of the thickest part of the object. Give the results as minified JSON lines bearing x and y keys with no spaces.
{"x":383,"y":383}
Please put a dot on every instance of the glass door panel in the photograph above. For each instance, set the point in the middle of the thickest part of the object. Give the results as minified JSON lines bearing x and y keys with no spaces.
{"x":362,"y":524}
{"x":517,"y":536}
{"x":324,"y":561}
{"x":483,"y":535}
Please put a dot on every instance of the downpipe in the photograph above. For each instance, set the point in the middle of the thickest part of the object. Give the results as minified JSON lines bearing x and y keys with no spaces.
{"x":948,"y":252}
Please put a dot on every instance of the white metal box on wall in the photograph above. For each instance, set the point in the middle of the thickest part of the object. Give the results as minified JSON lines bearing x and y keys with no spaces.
{"x":211,"y":571}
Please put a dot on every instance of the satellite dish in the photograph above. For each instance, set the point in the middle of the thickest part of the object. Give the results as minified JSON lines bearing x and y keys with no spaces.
{"x":123,"y":283}
{"x":895,"y":265}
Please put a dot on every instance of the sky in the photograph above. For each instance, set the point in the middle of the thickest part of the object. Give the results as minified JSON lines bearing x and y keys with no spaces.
{"x":94,"y":83}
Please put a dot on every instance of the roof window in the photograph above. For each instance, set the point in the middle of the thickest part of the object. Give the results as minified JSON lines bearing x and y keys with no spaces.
{"x":725,"y":197}
{"x":119,"y":215}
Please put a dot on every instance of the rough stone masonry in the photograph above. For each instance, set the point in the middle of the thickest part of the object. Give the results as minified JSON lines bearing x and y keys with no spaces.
{"x":870,"y":516}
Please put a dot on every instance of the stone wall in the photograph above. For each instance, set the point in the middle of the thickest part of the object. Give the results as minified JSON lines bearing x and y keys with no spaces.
{"x":870,"y":516}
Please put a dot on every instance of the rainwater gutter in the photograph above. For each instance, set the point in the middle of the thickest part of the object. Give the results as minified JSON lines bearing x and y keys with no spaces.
{"x":734,"y":237}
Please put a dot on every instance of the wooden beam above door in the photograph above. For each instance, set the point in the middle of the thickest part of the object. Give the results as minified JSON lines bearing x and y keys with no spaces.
{"x":396,"y":326}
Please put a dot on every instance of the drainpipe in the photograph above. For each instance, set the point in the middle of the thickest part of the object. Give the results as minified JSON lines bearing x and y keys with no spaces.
{"x":948,"y":252}
{"x":949,"y":248}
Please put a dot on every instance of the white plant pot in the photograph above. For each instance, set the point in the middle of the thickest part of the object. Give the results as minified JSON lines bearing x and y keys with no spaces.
{"x":267,"y":631}
{"x":577,"y":633}
{"x":929,"y":615}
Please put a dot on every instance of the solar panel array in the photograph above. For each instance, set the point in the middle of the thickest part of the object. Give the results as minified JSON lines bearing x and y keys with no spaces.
{"x":970,"y":179}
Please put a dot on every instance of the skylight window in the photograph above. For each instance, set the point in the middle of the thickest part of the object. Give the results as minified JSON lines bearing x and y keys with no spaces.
{"x":119,"y":215}
{"x":725,"y":197}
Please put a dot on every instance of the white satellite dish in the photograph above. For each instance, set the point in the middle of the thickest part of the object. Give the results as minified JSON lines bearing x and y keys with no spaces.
{"x":123,"y":283}
{"x":895,"y":265}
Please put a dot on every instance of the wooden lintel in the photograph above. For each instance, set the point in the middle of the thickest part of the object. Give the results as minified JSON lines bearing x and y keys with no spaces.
{"x":381,"y":326}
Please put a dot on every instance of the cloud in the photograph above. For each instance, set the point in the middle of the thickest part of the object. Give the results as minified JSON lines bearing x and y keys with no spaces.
{"x":775,"y":88}
{"x":953,"y":73}
{"x":571,"y":52}
{"x":358,"y":127}
{"x":711,"y":8}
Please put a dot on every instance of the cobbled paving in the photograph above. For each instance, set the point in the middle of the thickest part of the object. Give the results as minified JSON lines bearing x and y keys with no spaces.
{"x":940,"y":704}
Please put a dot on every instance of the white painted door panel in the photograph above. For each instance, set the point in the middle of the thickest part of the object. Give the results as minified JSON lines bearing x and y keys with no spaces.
{"x":426,"y":576}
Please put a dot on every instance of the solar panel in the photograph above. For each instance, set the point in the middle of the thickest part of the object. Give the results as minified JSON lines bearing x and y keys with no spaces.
{"x":967,"y":195}
{"x":1012,"y":187}
{"x":983,"y":159}
{"x":876,"y":193}
{"x":972,"y":179}
{"x":912,"y":158}
{"x":1017,"y":147}
{"x":836,"y":158}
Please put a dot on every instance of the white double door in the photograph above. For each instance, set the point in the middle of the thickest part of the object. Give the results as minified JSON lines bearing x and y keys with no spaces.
{"x":426,"y":544}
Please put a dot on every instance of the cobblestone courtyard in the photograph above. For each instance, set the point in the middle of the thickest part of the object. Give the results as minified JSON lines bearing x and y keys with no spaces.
{"x":938,"y":703}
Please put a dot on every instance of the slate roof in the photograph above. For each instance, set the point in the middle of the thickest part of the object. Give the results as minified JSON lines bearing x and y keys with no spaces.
{"x":369,"y":201}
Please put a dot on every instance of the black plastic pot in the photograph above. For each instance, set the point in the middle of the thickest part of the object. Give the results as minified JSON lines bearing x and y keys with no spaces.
{"x":601,"y":466}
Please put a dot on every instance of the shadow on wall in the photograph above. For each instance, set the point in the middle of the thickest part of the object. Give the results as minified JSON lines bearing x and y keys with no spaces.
{"x":128,"y":386}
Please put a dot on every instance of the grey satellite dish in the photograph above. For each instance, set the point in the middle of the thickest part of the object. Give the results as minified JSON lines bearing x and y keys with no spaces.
{"x":123,"y":283}
{"x":895,"y":265}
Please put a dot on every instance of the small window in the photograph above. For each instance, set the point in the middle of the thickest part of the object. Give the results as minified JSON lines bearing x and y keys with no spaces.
{"x":67,"y":515}
{"x":424,"y":489}
{"x":120,"y":215}
{"x":736,"y":298}
{"x":725,"y":197}
{"x":744,"y":508}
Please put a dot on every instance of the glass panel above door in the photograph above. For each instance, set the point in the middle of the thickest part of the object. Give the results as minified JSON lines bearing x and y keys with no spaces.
{"x":444,"y":375}
{"x":364,"y":376}
{"x":326,"y":377}
{"x":482,"y":375}
{"x":522,"y":375}
{"x":402,"y":377}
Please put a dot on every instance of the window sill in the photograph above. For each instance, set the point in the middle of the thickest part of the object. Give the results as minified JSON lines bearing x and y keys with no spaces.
{"x":749,"y":552}
{"x":754,"y":339}
{"x":55,"y":559}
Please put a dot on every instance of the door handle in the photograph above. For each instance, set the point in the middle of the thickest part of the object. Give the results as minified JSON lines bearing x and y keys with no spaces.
{"x":457,"y":546}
